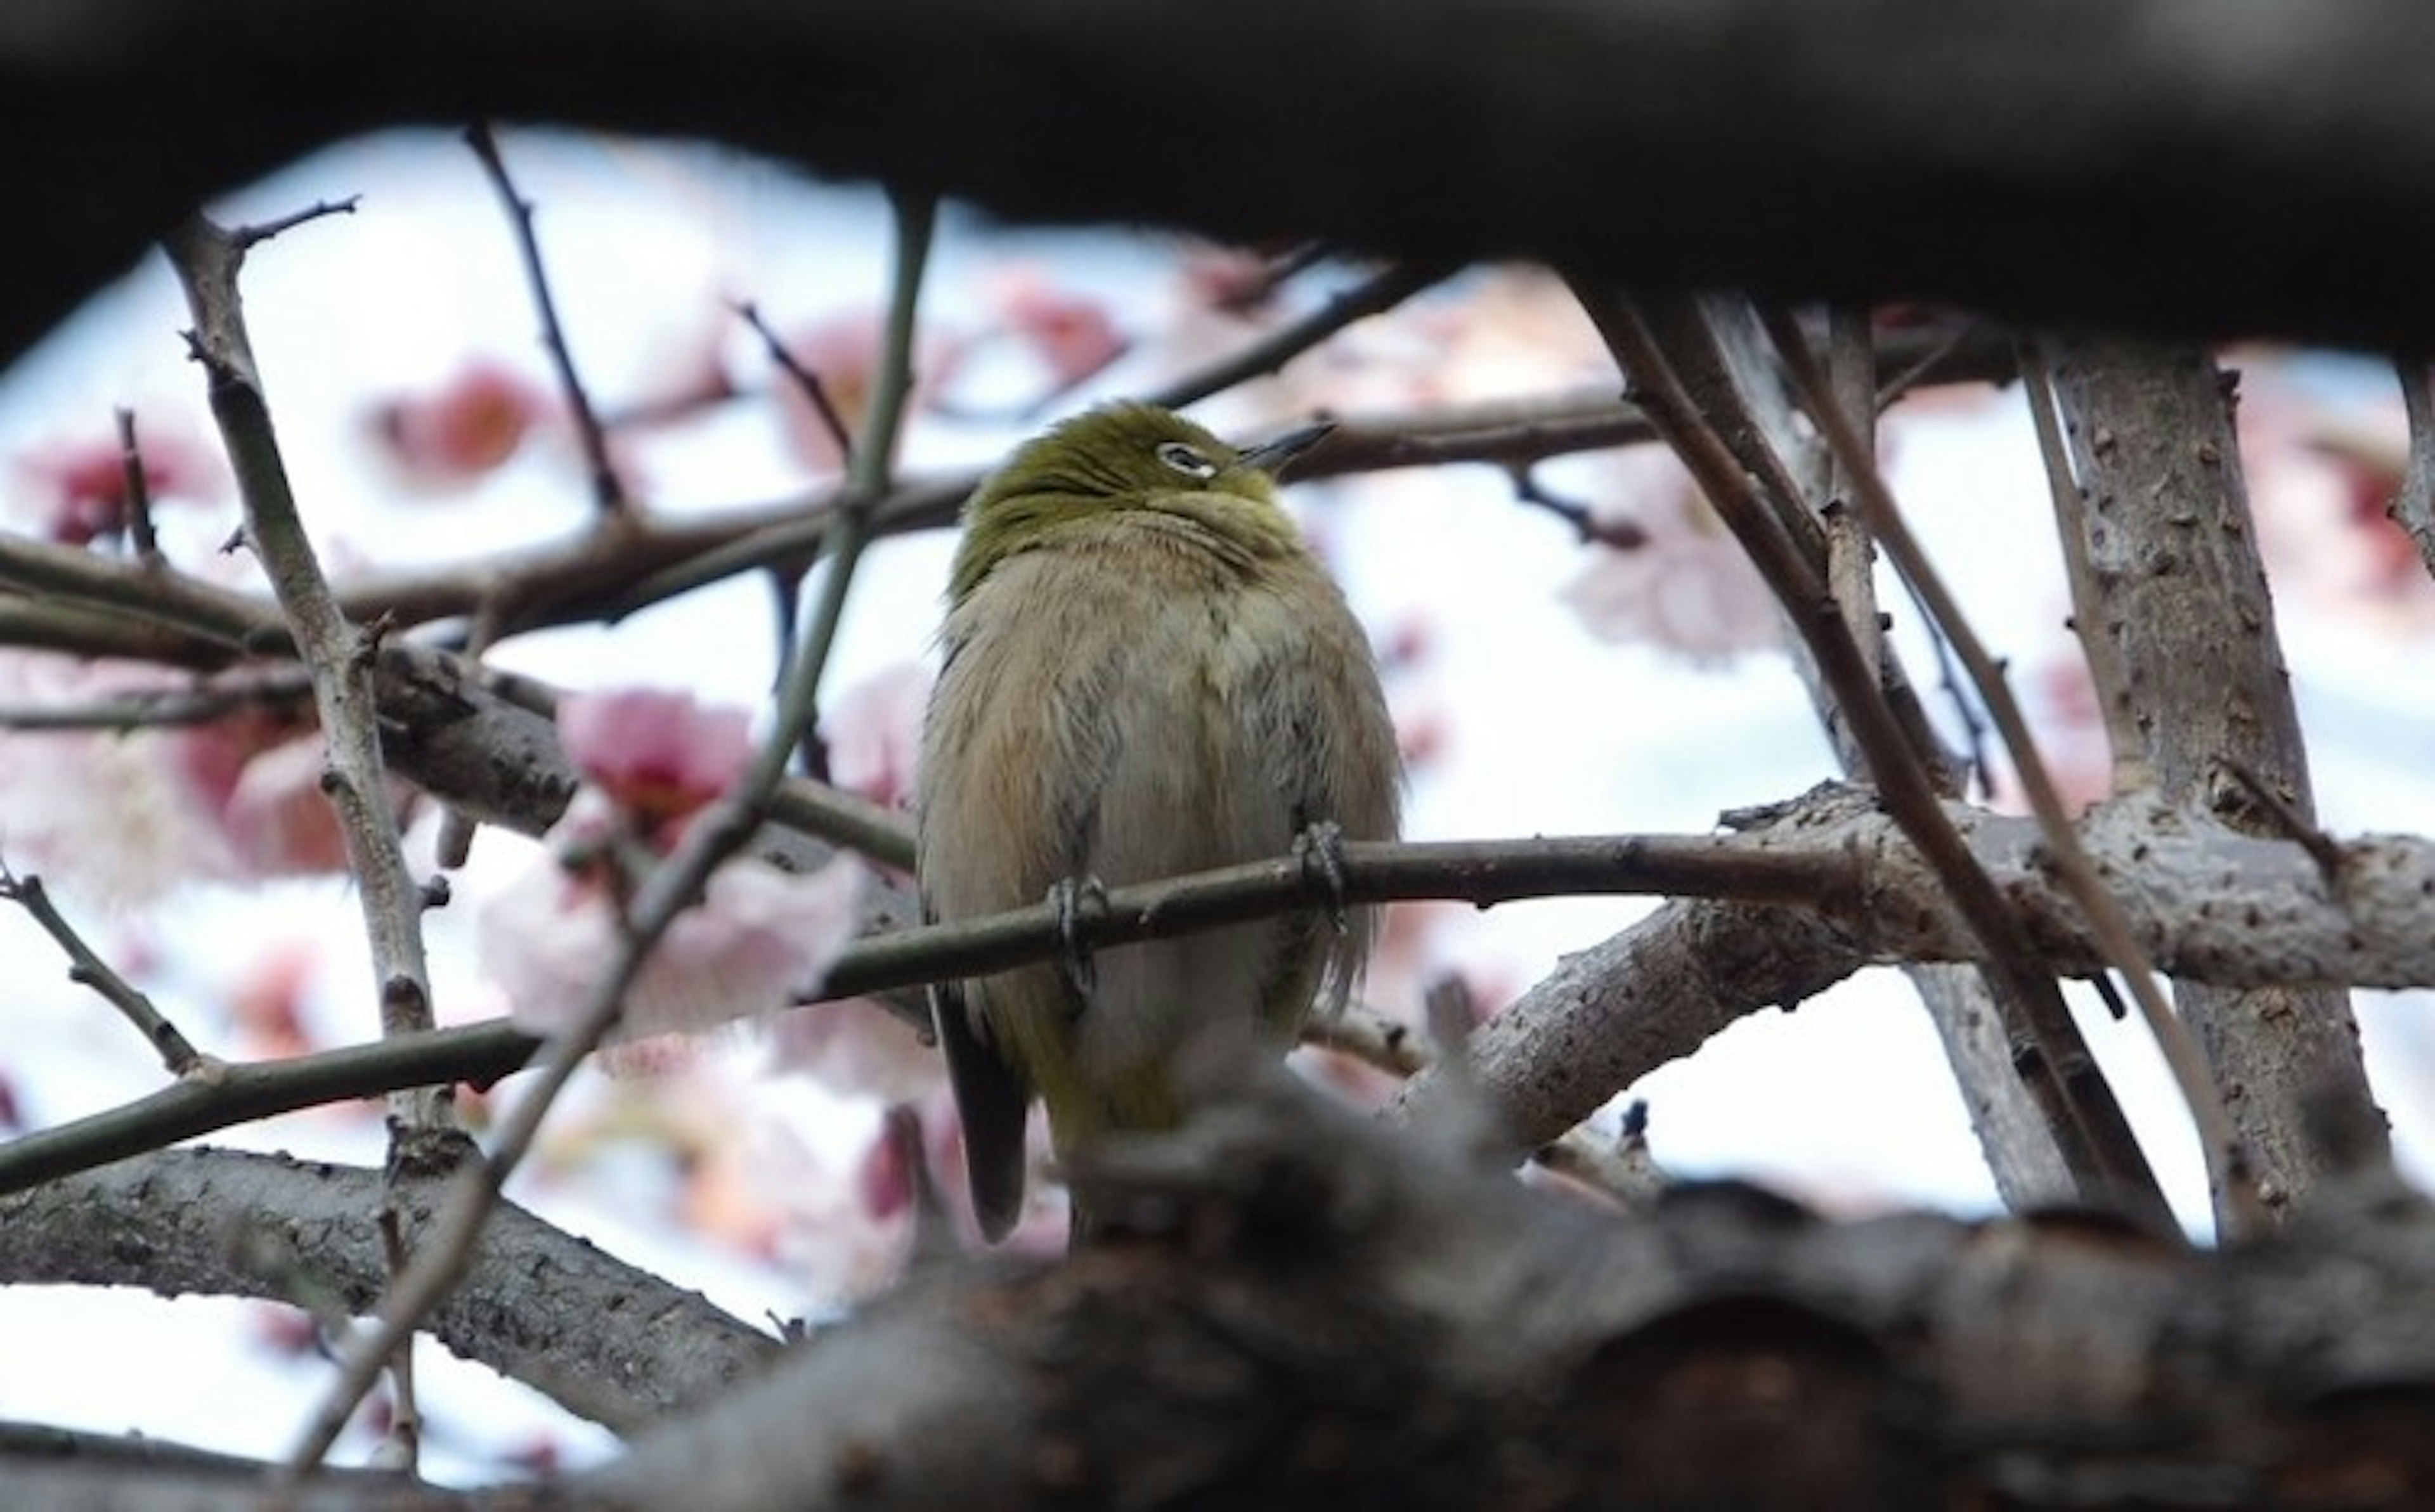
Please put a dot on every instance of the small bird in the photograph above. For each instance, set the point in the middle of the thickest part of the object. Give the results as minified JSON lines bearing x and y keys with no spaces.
{"x":1146,"y":673}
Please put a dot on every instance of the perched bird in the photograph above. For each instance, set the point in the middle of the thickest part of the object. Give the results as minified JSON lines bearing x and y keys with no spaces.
{"x":1146,"y":673}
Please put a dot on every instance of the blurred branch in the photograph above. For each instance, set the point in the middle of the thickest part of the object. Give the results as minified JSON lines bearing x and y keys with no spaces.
{"x":87,"y":969}
{"x":2414,"y":504}
{"x":1380,"y":292}
{"x":1785,"y":165}
{"x":608,"y":492}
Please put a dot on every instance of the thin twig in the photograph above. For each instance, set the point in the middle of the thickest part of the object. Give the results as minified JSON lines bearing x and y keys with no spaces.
{"x":2220,"y":1141}
{"x":1369,"y":1037}
{"x":249,"y":237}
{"x":804,"y":379}
{"x":402,"y":1447}
{"x":670,"y":888}
{"x":86,"y":967}
{"x":2322,"y":848}
{"x":2414,"y":504}
{"x":139,"y":491}
{"x":608,"y":492}
{"x":170,"y":709}
{"x":1380,"y":292}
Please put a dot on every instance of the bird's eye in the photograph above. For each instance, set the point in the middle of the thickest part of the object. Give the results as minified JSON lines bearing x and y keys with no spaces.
{"x":1186,"y":460}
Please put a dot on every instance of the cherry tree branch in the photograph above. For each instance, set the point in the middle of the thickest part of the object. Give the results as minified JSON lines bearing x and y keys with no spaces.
{"x":338,"y":654}
{"x":2169,"y":599}
{"x":223,"y":1222}
{"x":1828,"y":885}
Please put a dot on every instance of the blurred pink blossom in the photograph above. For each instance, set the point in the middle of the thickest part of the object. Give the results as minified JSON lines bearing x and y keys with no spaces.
{"x":454,"y":435}
{"x":874,"y":733}
{"x":1072,"y":335}
{"x":2319,"y":481}
{"x":842,"y":351}
{"x":1676,"y":578}
{"x":278,"y":821}
{"x":659,"y":756}
{"x":857,"y":1048}
{"x":78,"y":488}
{"x":2064,"y":714}
{"x":758,"y":939}
{"x":845,"y":1218}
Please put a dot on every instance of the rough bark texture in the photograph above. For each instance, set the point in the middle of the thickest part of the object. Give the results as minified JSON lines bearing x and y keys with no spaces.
{"x":2170,"y":601}
{"x":607,"y":1341}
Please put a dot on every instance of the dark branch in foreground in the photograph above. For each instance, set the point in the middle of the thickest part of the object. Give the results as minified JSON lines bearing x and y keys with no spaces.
{"x":2056,"y":162}
{"x":1301,"y":1309}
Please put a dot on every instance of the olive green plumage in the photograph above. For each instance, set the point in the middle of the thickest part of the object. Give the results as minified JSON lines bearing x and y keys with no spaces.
{"x":1147,"y":673}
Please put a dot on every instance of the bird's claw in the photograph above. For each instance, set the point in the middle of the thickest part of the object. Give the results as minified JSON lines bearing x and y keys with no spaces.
{"x":1067,"y":899}
{"x":1319,"y":848}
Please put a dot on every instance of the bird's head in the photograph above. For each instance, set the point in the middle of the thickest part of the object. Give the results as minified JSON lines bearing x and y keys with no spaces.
{"x":1126,"y":457}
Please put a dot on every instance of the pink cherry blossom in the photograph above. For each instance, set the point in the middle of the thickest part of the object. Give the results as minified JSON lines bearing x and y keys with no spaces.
{"x":659,"y":755}
{"x":79,"y":487}
{"x":760,"y":938}
{"x":453,"y":435}
{"x":1664,"y":571}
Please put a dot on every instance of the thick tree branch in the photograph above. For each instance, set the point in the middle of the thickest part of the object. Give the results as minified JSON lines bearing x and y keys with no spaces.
{"x":226,"y":1224}
{"x":2169,"y":598}
{"x":1306,"y":1310}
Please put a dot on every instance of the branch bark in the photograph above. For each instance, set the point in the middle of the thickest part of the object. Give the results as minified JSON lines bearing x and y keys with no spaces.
{"x":1302,"y":1309}
{"x":2169,"y":599}
{"x":226,"y":1224}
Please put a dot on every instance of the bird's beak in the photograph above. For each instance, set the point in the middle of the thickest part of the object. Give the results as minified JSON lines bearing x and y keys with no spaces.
{"x":1273,"y":457}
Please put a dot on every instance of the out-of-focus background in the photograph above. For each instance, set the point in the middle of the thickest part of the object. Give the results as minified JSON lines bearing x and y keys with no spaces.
{"x":1542,"y":685}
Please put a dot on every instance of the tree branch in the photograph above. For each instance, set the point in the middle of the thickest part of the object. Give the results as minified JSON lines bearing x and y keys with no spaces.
{"x":223,"y":1222}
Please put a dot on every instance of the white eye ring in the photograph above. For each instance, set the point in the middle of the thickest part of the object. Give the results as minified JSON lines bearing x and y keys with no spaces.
{"x":1186,"y":460}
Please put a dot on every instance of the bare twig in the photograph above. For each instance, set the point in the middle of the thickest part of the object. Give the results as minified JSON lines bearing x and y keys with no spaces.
{"x":608,"y":492}
{"x":87,"y":969}
{"x":1381,"y":291}
{"x":138,"y":490}
{"x":804,"y":380}
{"x":1369,"y":1037}
{"x":249,"y":237}
{"x":2322,"y":848}
{"x":2413,"y":505}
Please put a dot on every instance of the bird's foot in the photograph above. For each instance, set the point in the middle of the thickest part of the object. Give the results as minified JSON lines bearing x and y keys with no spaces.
{"x":1068,"y":897}
{"x":1319,"y":848}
